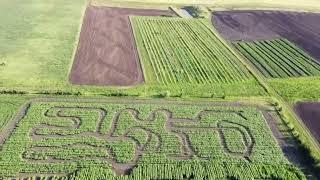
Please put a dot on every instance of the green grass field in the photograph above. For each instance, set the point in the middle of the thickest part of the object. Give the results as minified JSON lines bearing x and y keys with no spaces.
{"x":37,"y":41}
{"x":86,"y":138}
{"x":279,"y":58}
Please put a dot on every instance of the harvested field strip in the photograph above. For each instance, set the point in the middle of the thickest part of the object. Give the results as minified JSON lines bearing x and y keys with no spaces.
{"x":279,"y":58}
{"x":142,"y":140}
{"x":185,"y":51}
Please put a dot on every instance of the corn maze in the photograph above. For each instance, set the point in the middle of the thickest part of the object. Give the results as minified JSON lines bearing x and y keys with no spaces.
{"x":141,"y":140}
{"x":279,"y":58}
{"x":177,"y":50}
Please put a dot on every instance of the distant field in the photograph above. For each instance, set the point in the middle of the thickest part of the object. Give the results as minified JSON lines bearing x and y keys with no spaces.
{"x":99,"y":139}
{"x":305,"y":5}
{"x":37,"y":41}
{"x":175,"y":50}
{"x":308,"y":5}
{"x":279,"y":58}
{"x":248,"y":25}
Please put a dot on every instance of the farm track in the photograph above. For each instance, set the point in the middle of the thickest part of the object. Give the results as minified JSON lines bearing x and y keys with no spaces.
{"x":107,"y":54}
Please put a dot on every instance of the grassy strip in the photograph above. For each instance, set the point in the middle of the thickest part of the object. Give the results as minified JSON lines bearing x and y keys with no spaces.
{"x":37,"y":42}
{"x":297,"y":88}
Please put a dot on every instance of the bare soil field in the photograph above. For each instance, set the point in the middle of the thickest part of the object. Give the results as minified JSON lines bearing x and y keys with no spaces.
{"x":301,"y":28}
{"x":309,"y":112}
{"x":106,"y":54}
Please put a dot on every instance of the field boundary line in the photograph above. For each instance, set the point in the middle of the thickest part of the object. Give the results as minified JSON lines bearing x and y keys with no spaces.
{"x":137,"y":52}
{"x":77,"y":39}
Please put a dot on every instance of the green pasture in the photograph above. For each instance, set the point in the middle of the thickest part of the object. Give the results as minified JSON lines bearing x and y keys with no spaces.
{"x":37,"y":41}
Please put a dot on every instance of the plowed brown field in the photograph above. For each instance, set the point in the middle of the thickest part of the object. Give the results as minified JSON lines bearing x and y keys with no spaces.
{"x":301,"y":28}
{"x":309,"y":112}
{"x":106,"y":53}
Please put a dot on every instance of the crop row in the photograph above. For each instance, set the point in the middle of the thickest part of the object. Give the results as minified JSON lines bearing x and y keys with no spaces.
{"x":279,"y":58}
{"x":185,"y":51}
{"x":149,"y":141}
{"x":223,"y":171}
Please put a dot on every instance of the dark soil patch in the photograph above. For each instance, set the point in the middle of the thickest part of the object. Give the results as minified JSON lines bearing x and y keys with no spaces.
{"x":106,"y":53}
{"x":309,"y":112}
{"x":291,"y":148}
{"x":301,"y":28}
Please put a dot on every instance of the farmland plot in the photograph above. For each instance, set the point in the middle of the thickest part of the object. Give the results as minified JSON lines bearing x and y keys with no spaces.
{"x":309,"y":112}
{"x":279,"y":58}
{"x":141,"y":140}
{"x":37,"y":41}
{"x":106,"y":54}
{"x":300,"y":28}
{"x":185,"y":51}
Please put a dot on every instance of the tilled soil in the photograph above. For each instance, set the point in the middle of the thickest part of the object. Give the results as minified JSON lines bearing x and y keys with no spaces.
{"x":309,"y":112}
{"x":301,"y":28}
{"x":107,"y":53}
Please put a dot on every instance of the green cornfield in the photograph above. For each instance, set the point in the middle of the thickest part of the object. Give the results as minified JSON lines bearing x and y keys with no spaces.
{"x":176,"y":50}
{"x":279,"y":58}
{"x":142,"y":140}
